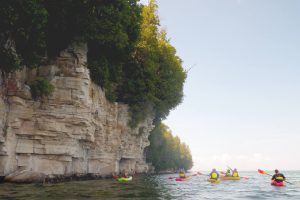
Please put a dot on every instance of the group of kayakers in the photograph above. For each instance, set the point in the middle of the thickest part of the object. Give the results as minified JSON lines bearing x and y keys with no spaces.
{"x":214,"y":174}
{"x":277,"y":179}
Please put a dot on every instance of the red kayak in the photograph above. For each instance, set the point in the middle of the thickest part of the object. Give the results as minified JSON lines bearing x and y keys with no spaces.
{"x":278,"y":184}
{"x":183,"y":179}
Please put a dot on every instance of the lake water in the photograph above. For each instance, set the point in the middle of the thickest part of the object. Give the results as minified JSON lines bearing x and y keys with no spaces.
{"x":158,"y":187}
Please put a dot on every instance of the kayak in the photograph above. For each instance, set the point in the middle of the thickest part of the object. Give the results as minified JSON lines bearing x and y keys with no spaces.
{"x":278,"y":184}
{"x":183,"y":179}
{"x":123,"y":179}
{"x":230,"y":178}
{"x":214,"y":180}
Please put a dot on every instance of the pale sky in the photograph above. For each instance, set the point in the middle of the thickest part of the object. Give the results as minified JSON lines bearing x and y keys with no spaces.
{"x":242,"y":97}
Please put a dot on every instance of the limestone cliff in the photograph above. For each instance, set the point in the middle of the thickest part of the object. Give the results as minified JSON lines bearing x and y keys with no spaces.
{"x":74,"y":131}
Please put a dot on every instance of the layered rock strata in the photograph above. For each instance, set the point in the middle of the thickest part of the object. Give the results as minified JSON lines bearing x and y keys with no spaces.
{"x":73,"y":131}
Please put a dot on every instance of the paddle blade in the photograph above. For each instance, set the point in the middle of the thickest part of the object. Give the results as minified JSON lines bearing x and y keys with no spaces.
{"x":261,"y":171}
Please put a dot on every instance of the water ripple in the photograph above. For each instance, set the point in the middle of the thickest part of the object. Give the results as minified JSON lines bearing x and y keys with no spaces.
{"x":158,"y":187}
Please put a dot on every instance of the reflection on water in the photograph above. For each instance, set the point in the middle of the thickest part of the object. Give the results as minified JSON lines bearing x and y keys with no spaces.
{"x":157,"y":187}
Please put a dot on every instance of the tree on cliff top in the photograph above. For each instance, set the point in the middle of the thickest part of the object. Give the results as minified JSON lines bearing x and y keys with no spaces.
{"x":154,"y":75}
{"x":45,"y":27}
{"x":22,"y":35}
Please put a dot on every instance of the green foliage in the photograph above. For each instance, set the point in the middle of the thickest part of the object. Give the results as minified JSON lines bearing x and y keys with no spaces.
{"x":109,"y":27}
{"x":112,"y":45}
{"x":22,"y":25}
{"x":166,"y":151}
{"x":9,"y":60}
{"x":127,"y":53}
{"x":153,"y":75}
{"x":41,"y":88}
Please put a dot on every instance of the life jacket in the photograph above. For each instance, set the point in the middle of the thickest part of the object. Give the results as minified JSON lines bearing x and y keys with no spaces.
{"x":279,"y":178}
{"x":214,"y":175}
{"x":182,"y":175}
{"x":235,"y":174}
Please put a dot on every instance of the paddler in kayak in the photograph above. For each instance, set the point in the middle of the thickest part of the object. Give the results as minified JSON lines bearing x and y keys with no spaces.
{"x":214,"y":174}
{"x":182,"y":174}
{"x":235,"y":173}
{"x":278,"y":177}
{"x":124,"y":174}
{"x":228,"y":173}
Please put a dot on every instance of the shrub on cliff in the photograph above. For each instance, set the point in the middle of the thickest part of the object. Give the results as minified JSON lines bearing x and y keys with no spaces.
{"x":41,"y":88}
{"x":167,"y":152}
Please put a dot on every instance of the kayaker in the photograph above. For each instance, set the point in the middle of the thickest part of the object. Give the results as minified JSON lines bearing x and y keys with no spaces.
{"x":214,"y":174}
{"x":235,"y":173}
{"x":278,"y":177}
{"x":124,"y":174}
{"x":228,"y":173}
{"x":182,"y":174}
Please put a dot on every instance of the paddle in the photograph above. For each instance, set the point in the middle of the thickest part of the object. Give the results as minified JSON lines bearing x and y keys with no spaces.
{"x":190,"y":175}
{"x":229,"y":168}
{"x":172,"y":177}
{"x":264,"y":172}
{"x":199,"y":173}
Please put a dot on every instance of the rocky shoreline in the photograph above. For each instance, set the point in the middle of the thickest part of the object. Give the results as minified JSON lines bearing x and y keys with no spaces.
{"x":27,"y":177}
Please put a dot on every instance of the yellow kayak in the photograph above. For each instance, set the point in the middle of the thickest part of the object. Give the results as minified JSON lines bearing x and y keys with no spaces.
{"x":214,"y":180}
{"x":230,"y":178}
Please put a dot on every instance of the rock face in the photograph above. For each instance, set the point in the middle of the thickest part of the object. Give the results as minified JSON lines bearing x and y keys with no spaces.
{"x":74,"y":131}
